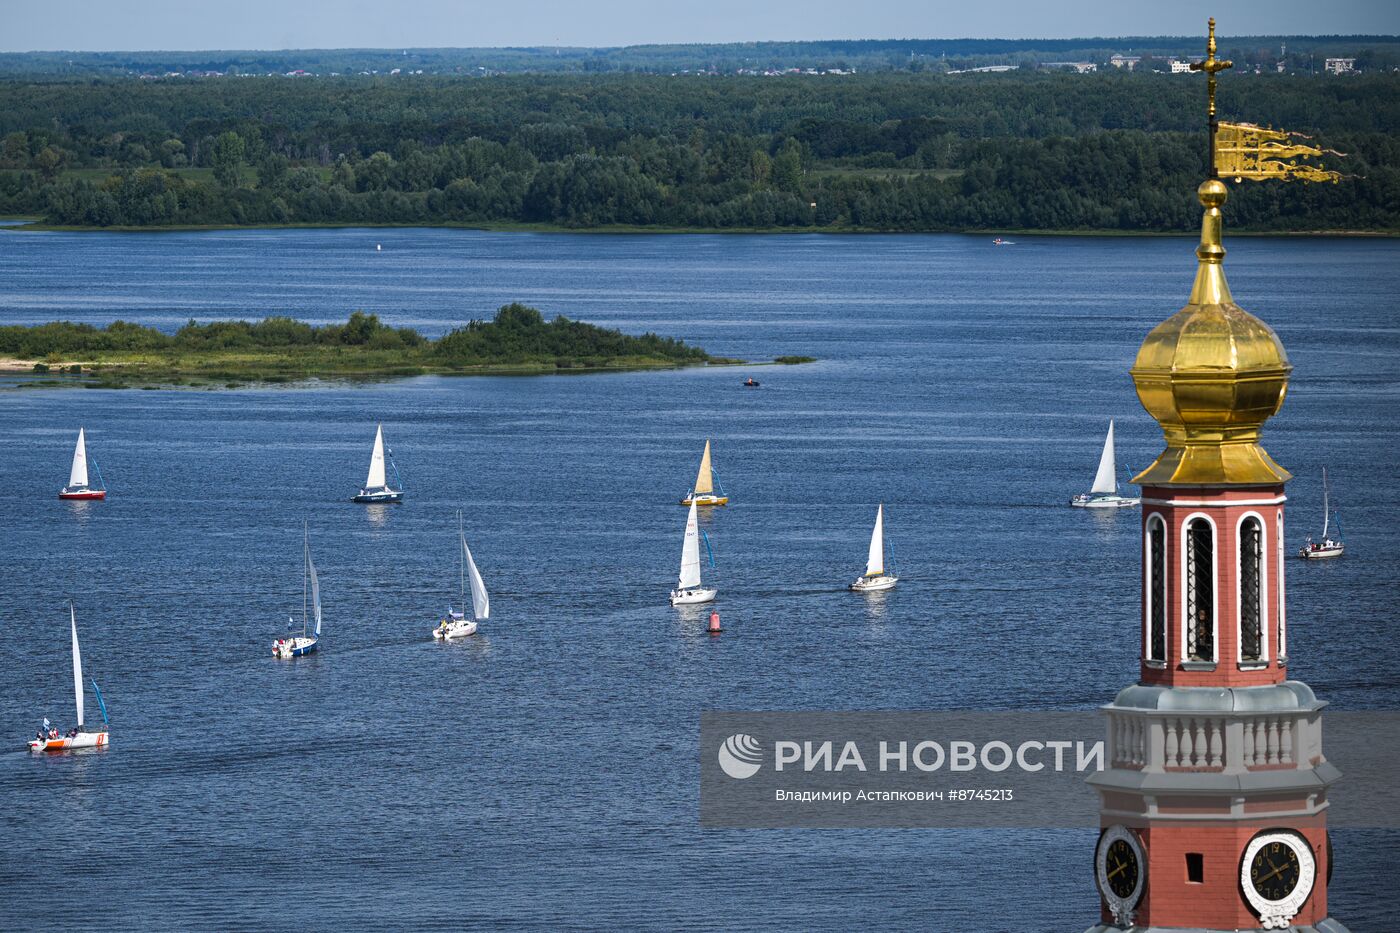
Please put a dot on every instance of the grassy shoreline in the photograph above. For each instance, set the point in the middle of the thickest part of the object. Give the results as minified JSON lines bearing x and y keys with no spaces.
{"x":215,"y":371}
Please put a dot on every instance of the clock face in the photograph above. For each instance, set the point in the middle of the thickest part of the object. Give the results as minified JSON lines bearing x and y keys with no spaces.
{"x":1121,"y":869}
{"x":1275,"y":870}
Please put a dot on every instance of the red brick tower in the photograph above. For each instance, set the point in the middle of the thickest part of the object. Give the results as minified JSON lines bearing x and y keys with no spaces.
{"x":1213,"y":807}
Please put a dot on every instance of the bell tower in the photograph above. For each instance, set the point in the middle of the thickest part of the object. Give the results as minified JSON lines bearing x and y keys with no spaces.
{"x":1213,"y":807}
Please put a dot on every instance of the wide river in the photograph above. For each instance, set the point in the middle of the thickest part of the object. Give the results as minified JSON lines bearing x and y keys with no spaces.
{"x":544,"y":773}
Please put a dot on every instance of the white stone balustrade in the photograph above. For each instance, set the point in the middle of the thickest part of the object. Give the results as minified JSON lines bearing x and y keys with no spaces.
{"x":1174,"y":740}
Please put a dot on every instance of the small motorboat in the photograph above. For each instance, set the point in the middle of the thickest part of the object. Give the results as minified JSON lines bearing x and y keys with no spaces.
{"x":78,"y":487}
{"x":377,"y":488}
{"x":751,"y":383}
{"x":689,"y":589}
{"x":299,"y":646}
{"x":1000,"y":242}
{"x":876,"y":577}
{"x":456,"y":624}
{"x":50,"y":739}
{"x":703,"y":492}
{"x":1104,"y":493}
{"x":1328,"y":546}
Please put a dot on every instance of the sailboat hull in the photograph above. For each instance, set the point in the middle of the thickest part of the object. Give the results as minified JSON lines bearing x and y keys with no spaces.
{"x":705,"y":499}
{"x":378,"y":495}
{"x":1085,"y":501}
{"x":884,"y":581}
{"x":1322,"y":551}
{"x":456,"y":629}
{"x":692,"y":596}
{"x":67,"y":743}
{"x":285,"y":648}
{"x":83,"y":494}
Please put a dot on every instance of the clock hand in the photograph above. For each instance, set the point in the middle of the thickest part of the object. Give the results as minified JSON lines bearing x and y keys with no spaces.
{"x":1117,"y":871}
{"x":1276,"y":870}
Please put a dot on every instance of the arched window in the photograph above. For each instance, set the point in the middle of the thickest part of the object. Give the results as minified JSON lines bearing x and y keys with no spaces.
{"x":1251,"y":582}
{"x":1156,"y":589}
{"x":1200,"y":590}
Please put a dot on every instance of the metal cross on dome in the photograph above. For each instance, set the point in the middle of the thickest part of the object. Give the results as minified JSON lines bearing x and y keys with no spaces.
{"x":1210,"y":66}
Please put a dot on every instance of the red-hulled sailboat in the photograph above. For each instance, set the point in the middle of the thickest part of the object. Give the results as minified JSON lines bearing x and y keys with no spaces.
{"x":78,"y":487}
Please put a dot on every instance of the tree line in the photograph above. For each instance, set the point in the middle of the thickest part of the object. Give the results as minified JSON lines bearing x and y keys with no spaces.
{"x":882,"y":152}
{"x":846,"y":54}
{"x":517,"y":335}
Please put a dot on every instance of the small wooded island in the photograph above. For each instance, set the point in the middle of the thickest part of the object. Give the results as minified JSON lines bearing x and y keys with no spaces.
{"x":279,"y":349}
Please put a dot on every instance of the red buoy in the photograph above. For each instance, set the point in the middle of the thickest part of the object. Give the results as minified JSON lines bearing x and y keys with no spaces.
{"x":714,"y":622}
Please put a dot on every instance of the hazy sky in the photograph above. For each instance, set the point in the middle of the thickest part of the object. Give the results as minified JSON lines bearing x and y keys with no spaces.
{"x":91,"y":25}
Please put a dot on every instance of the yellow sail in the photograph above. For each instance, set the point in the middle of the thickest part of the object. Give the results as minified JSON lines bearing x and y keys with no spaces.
{"x":704,"y":480}
{"x":703,"y":492}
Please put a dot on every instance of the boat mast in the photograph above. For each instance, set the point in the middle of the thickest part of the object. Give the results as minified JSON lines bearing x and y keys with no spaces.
{"x":461,"y":564}
{"x":305,"y":561}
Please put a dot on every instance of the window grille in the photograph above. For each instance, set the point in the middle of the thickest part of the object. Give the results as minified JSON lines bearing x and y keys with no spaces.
{"x":1157,"y":589}
{"x":1200,"y":591}
{"x":1251,"y":581}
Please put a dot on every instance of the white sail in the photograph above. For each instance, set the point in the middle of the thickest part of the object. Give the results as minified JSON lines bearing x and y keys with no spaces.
{"x":1104,"y":480}
{"x":375,"y":480}
{"x":690,"y":552}
{"x":481,"y":601}
{"x":78,"y":475}
{"x":875,"y":563}
{"x":1326,"y":506}
{"x":77,"y":666}
{"x":315,"y":590}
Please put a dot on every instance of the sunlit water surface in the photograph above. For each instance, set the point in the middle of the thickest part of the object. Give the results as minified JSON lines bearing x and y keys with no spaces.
{"x":544,"y":773}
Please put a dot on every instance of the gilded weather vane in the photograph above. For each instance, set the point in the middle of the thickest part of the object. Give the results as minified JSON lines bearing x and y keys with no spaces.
{"x":1244,"y":150}
{"x":1210,"y":66}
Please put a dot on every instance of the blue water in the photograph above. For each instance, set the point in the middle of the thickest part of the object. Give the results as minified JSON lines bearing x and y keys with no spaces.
{"x":544,"y":774}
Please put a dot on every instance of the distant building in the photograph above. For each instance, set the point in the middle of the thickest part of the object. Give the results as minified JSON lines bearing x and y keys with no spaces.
{"x":985,"y":69}
{"x":1129,"y":62}
{"x":1179,"y":68}
{"x":1080,"y":67}
{"x":1339,"y":66}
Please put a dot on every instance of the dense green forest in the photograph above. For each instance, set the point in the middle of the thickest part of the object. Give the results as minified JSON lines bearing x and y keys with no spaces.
{"x":518,"y":339}
{"x":1020,"y":150}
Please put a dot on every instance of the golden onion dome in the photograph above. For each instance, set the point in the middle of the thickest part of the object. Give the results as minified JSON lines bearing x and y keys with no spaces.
{"x":1211,"y":375}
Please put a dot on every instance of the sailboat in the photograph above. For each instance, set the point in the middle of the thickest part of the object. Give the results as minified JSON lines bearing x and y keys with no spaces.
{"x":703,"y":493}
{"x":1104,"y":493}
{"x":688,"y":589}
{"x":875,"y":576}
{"x":1329,"y":546}
{"x":78,"y":487}
{"x":48,"y":739}
{"x":295,"y":647}
{"x":376,"y":487}
{"x":457,"y":625}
